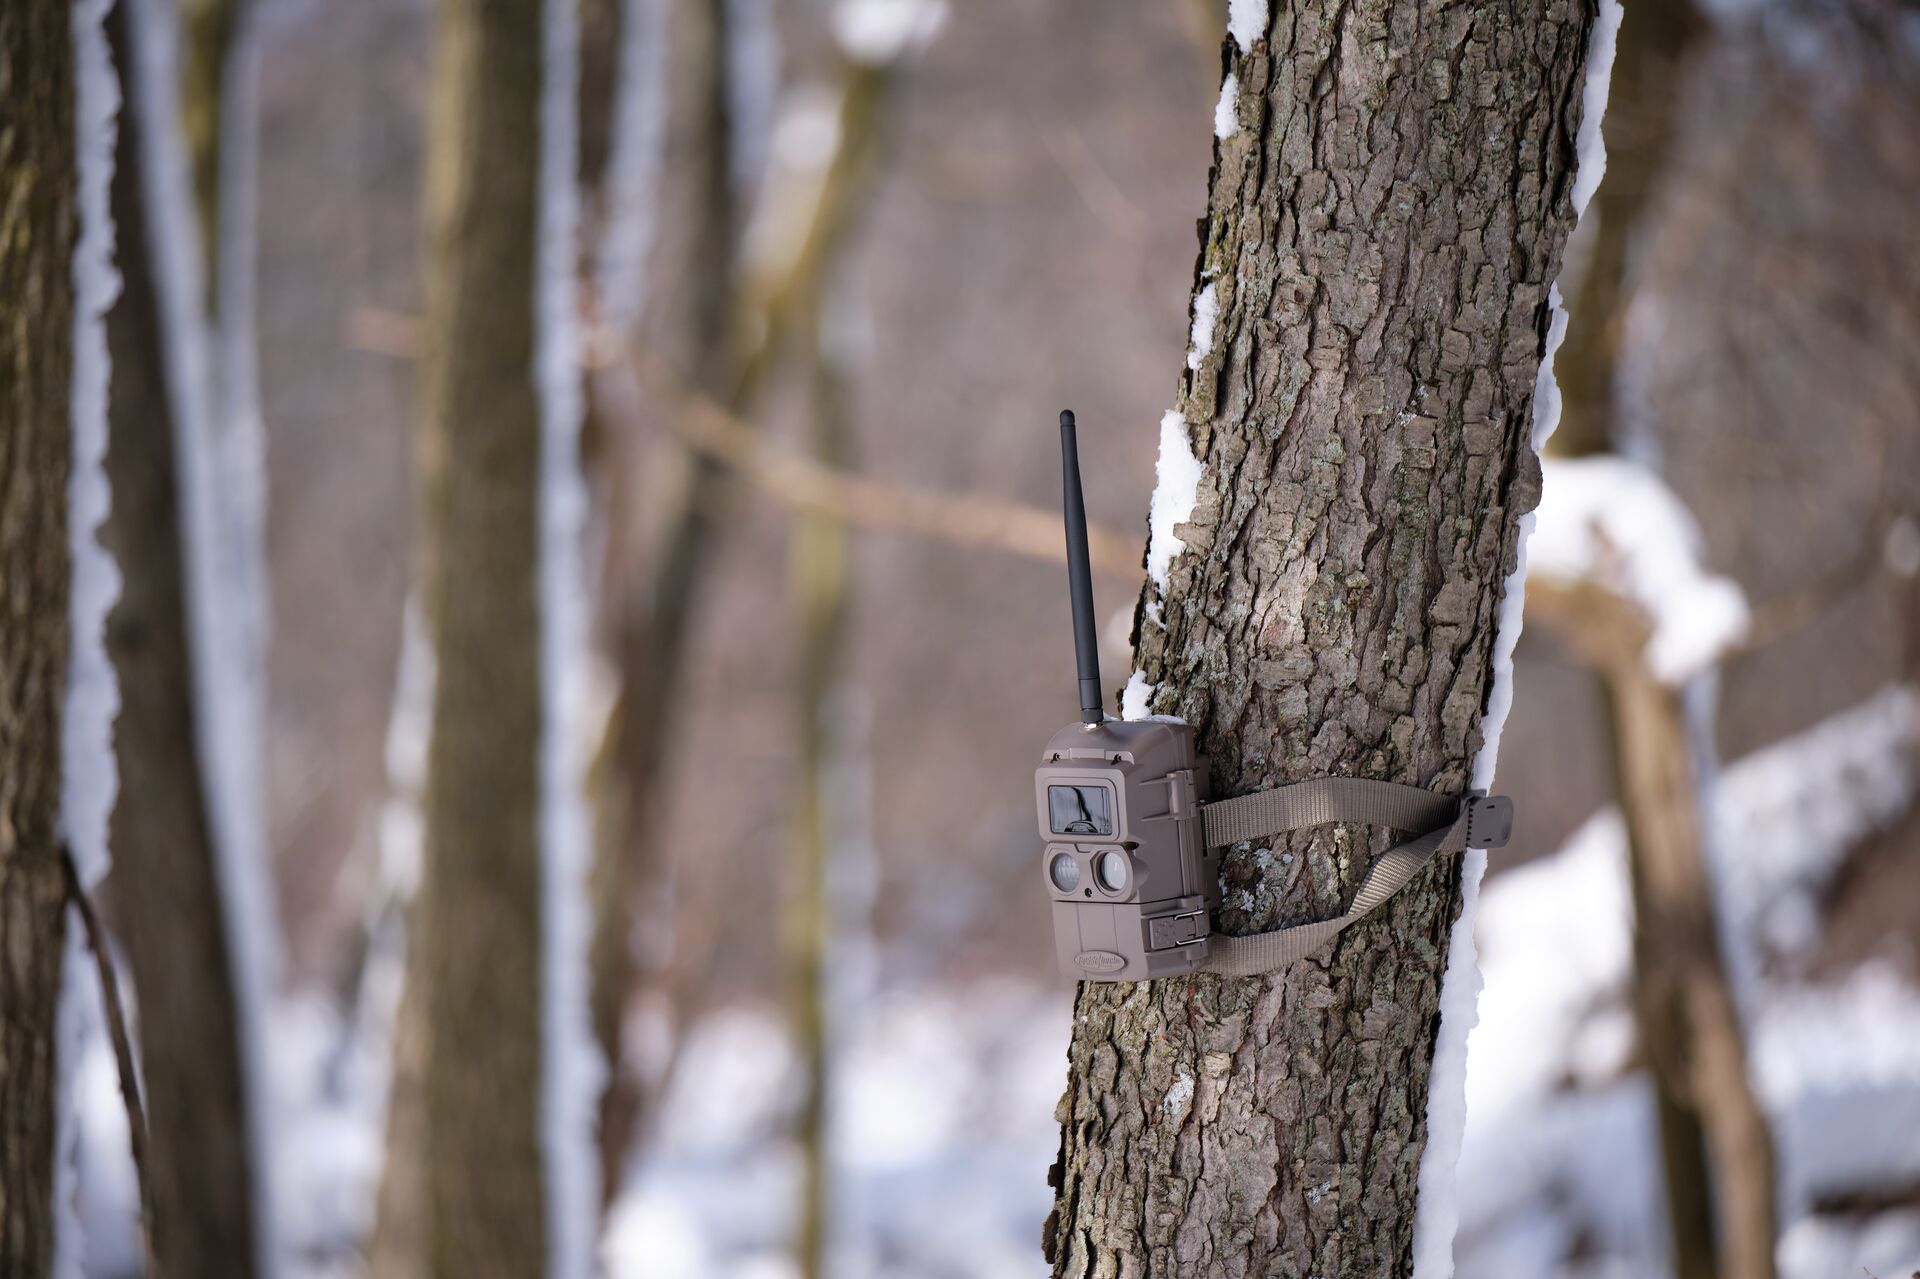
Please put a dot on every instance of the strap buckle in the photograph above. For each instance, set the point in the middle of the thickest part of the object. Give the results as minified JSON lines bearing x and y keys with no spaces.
{"x":1489,"y":819}
{"x":1188,"y":928}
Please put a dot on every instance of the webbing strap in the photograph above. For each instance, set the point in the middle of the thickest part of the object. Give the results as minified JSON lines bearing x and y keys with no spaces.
{"x":1449,"y":824}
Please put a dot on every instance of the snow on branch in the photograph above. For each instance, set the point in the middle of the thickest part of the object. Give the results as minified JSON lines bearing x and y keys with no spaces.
{"x":877,"y":32}
{"x":1613,"y":523}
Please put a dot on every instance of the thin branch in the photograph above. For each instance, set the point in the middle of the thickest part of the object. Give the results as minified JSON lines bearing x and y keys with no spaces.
{"x":709,"y":428}
{"x":804,"y":484}
{"x":122,"y":1044}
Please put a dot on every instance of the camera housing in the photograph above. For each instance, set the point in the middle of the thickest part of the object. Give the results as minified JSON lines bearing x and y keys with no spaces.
{"x":1124,"y":861}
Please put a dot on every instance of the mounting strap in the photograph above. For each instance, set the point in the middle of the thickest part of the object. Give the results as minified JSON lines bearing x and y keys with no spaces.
{"x":1447,"y":824}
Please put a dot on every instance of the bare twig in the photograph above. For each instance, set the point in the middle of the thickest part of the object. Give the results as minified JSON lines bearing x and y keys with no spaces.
{"x":802,"y":483}
{"x":122,"y":1044}
{"x":709,"y":428}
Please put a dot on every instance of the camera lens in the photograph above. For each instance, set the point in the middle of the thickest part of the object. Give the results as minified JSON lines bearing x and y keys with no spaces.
{"x":1111,"y":870}
{"x":1064,"y":872}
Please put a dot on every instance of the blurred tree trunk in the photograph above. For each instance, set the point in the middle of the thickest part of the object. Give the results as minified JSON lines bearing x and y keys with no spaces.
{"x":1381,"y":233}
{"x":652,"y":609}
{"x":821,"y":605}
{"x":1715,"y":1144}
{"x":465,"y":1192}
{"x":165,"y":878}
{"x":37,"y":229}
{"x":207,"y":29}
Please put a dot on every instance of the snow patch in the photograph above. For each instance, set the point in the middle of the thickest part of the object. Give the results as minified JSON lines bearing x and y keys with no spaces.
{"x":1247,"y":20}
{"x":1136,"y":697}
{"x":1554,"y":1122}
{"x":89,"y":777}
{"x":1206,"y":312}
{"x":1226,"y":112}
{"x":879,"y":31}
{"x":572,"y":1070}
{"x":633,"y":168}
{"x":1178,"y":489}
{"x":1615,"y":523}
{"x":1590,"y":147}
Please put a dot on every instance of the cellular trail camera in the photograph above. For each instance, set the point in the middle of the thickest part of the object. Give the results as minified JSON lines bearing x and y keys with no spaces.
{"x":1128,"y":831}
{"x":1132,"y":884}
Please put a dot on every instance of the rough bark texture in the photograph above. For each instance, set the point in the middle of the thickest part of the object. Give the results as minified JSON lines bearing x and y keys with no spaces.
{"x":1381,"y":233}
{"x":466,"y":1142}
{"x":165,"y":878}
{"x":37,"y":228}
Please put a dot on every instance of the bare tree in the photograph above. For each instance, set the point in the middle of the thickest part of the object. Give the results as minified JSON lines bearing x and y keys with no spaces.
{"x":37,"y":230}
{"x":165,"y":875}
{"x":465,"y":1192}
{"x":1715,"y":1142}
{"x":1387,"y":211}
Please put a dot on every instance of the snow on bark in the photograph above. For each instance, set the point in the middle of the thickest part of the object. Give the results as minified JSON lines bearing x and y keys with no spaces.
{"x":1437,"y":1207}
{"x":89,"y":779}
{"x":1226,"y":112}
{"x":1178,"y":473}
{"x":1206,"y":311}
{"x":1247,"y":20}
{"x":639,"y":147}
{"x":219,"y":522}
{"x":571,"y":1067}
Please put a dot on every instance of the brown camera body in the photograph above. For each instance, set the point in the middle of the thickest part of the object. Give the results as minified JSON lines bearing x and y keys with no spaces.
{"x":1125,"y":863}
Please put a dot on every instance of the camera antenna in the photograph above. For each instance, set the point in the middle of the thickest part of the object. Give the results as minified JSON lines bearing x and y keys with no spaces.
{"x":1086,"y":636}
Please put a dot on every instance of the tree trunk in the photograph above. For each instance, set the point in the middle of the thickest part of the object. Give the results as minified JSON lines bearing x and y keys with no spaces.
{"x":471,"y":1151}
{"x":1716,"y":1146}
{"x":37,"y":230}
{"x":165,"y":878}
{"x":652,"y":611}
{"x":1382,"y":229}
{"x":208,"y":30}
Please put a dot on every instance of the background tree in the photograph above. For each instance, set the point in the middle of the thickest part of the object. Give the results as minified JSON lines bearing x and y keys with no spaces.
{"x":37,"y":230}
{"x":171,"y":913}
{"x":1715,"y":1142}
{"x":465,"y":1192}
{"x":1387,"y":210}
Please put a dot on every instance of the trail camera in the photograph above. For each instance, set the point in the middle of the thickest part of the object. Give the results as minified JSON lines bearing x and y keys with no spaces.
{"x":1128,"y":831}
{"x":1126,"y":865}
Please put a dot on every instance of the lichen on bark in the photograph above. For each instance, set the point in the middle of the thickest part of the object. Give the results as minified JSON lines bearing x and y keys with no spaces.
{"x":1381,"y":234}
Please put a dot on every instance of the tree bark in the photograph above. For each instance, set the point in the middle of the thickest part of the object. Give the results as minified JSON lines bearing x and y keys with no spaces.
{"x":37,"y":231}
{"x":165,"y":878}
{"x":1381,"y":233}
{"x":467,"y":1141}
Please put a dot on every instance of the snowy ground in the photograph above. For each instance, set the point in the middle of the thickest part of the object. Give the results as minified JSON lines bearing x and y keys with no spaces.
{"x":943,"y":1122}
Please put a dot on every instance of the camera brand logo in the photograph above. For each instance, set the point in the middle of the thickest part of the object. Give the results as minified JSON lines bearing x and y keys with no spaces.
{"x":1100,"y":961}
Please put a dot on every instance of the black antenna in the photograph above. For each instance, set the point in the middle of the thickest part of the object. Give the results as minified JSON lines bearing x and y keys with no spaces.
{"x":1086,"y":637}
